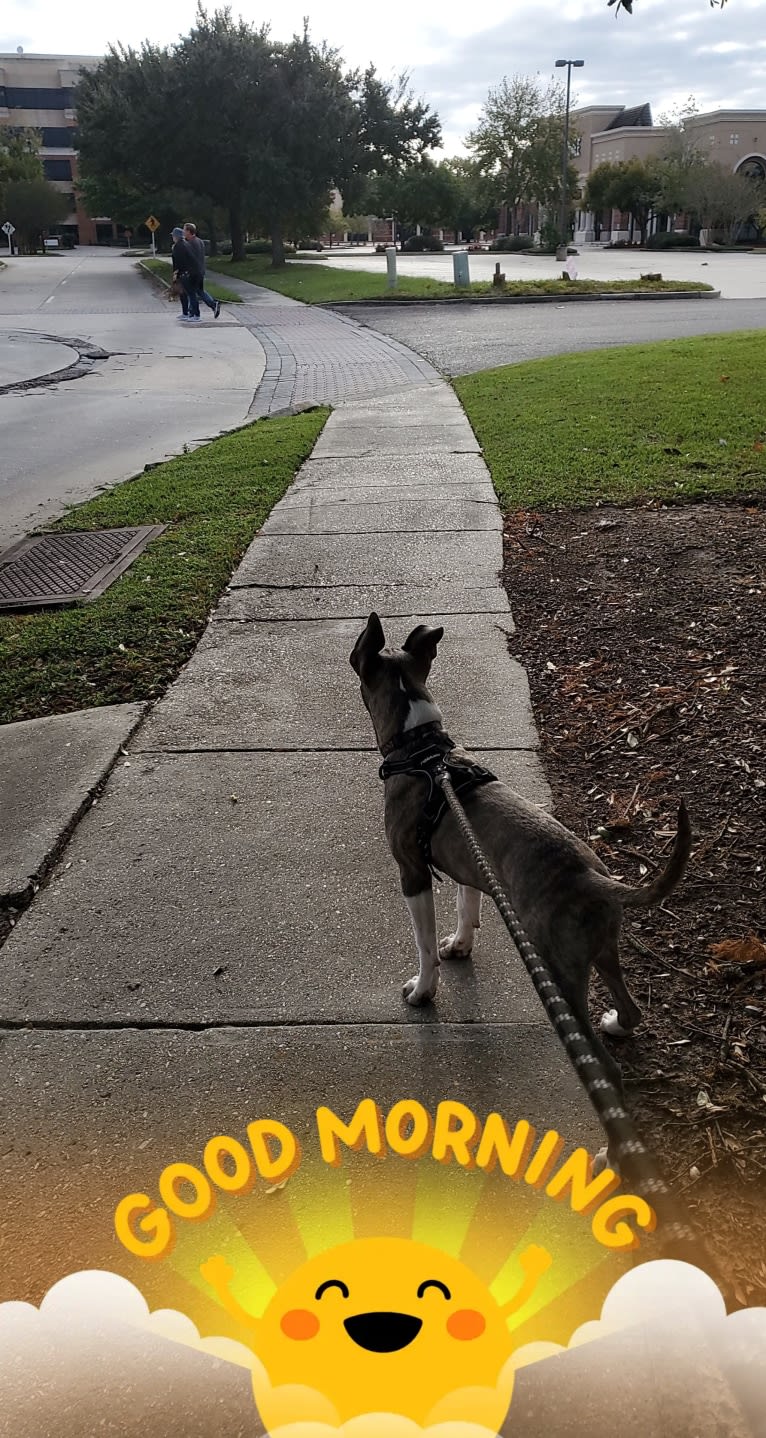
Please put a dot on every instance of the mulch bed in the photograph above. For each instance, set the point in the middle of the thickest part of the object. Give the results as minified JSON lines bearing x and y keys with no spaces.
{"x":643,"y":633}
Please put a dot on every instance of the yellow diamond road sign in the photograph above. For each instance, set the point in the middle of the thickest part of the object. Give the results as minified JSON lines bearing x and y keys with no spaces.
{"x":152,"y":223}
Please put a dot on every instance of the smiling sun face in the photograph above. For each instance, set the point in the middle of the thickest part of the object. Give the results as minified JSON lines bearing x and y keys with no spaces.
{"x":385,"y":1325}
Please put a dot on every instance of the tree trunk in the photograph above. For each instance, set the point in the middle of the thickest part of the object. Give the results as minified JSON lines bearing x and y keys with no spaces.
{"x":237,"y":233}
{"x":277,"y":248}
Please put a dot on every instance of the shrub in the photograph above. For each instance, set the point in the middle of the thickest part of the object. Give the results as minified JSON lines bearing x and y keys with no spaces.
{"x":669,"y":240}
{"x":550,"y":237}
{"x":417,"y":244}
{"x":508,"y":243}
{"x":253,"y":247}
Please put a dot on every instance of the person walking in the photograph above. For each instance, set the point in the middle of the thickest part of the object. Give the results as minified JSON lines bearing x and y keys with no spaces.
{"x":195,"y":287}
{"x":180,"y":256}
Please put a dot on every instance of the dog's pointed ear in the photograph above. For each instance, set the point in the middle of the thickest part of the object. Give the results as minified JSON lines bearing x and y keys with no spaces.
{"x":368,"y":646}
{"x":421,"y":644}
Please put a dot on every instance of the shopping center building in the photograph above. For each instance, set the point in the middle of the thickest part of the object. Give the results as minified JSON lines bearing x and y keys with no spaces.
{"x":735,"y":139}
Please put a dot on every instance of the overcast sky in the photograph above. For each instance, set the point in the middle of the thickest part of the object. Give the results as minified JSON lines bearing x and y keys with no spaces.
{"x":455,"y":51}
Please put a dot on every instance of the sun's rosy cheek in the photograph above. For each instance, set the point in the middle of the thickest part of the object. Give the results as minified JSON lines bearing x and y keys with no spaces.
{"x":299,"y":1323}
{"x":466,"y":1323}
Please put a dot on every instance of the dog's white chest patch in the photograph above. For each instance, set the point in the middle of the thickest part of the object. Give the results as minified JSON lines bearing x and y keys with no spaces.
{"x":421,"y":711}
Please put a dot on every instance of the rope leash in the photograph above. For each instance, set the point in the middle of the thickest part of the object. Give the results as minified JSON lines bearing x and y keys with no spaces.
{"x":623,"y":1137}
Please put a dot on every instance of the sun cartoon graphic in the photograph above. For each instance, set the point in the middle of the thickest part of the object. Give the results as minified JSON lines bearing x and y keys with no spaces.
{"x":382,"y":1325}
{"x":400,"y":1290}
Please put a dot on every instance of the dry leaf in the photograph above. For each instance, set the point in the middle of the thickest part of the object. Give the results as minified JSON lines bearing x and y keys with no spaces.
{"x":750,"y":950}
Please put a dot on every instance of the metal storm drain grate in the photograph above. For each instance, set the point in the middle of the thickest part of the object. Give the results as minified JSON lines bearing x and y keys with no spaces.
{"x":56,"y":569}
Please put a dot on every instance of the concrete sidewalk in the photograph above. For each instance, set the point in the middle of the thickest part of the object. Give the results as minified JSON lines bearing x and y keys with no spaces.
{"x":225,"y":931}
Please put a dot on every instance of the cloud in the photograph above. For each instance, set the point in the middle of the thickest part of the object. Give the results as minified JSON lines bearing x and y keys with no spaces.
{"x":94,"y":1359}
{"x":95,"y":1303}
{"x":666,"y":50}
{"x":679,"y":1310}
{"x":94,"y":1352}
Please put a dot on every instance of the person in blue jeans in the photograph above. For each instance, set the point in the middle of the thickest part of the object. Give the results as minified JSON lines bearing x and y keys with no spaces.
{"x":194,"y":279}
{"x":180,"y":260}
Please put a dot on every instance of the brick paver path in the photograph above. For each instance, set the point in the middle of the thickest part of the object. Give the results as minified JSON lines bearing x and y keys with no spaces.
{"x":314,"y":356}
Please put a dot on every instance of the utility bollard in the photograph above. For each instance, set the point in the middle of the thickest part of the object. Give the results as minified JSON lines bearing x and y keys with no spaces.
{"x":391,"y":266}
{"x":460,"y":270}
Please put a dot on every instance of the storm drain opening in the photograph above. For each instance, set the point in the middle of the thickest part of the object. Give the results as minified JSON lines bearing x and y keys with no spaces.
{"x":51,"y":570}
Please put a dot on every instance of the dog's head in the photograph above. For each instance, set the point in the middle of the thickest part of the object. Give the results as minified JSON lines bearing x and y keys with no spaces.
{"x":393,"y":681}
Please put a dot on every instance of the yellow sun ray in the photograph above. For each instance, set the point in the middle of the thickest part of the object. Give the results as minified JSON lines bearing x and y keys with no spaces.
{"x":575,"y":1254}
{"x":253,"y":1284}
{"x":445,"y":1203}
{"x":321,"y":1208}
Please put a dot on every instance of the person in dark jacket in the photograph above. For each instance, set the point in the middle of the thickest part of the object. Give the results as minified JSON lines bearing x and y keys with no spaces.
{"x":181,"y":260}
{"x":195,"y":285}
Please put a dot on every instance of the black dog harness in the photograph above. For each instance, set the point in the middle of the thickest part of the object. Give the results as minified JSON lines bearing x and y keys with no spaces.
{"x":425,"y":751}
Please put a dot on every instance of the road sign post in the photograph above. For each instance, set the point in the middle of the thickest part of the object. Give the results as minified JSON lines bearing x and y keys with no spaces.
{"x":9,"y":230}
{"x":152,"y":224}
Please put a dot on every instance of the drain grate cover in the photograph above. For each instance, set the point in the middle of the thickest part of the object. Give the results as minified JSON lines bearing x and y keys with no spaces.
{"x":56,"y":569}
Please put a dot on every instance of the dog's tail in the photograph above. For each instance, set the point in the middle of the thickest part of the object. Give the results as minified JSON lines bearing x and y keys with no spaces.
{"x":670,"y":877}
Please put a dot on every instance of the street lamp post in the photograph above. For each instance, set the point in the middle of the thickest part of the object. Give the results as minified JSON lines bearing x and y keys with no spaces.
{"x":577,"y":65}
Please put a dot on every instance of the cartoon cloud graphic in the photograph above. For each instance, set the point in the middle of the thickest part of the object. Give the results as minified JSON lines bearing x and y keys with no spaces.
{"x":662,"y":1361}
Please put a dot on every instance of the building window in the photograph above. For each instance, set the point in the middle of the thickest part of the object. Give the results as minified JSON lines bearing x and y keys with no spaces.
{"x":58,"y":139}
{"x":734,"y":138}
{"x":57,"y":169}
{"x":754,"y":168}
{"x":577,"y":145}
{"x":32,"y":98}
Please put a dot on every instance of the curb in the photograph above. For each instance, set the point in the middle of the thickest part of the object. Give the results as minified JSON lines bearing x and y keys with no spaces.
{"x":13,"y":903}
{"x":156,"y":279}
{"x":87,"y":354}
{"x":564,"y":298}
{"x":152,"y":276}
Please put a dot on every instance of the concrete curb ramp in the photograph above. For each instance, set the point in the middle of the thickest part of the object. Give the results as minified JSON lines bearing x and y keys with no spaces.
{"x":51,"y":769}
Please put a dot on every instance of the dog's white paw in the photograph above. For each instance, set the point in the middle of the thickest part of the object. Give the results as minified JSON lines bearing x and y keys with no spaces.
{"x":600,"y":1161}
{"x":417,"y":993}
{"x":450,"y":948}
{"x":610,"y":1024}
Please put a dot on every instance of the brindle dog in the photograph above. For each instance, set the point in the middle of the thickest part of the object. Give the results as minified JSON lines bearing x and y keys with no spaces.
{"x":563,"y":895}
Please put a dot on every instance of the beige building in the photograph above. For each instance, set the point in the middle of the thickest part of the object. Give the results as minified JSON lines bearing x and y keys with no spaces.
{"x":735,"y":138}
{"x":37,"y":93}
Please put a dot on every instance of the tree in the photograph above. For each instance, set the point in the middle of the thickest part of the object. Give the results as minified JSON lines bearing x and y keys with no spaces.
{"x":598,"y":187}
{"x":263,"y":130}
{"x":628,"y":5}
{"x":633,"y":186}
{"x":720,"y":199}
{"x":189,"y":118}
{"x":518,"y":142}
{"x":422,"y":194}
{"x":392,"y":131}
{"x":19,"y":158}
{"x":474,"y":206}
{"x":33,"y":206}
{"x":308,"y":108}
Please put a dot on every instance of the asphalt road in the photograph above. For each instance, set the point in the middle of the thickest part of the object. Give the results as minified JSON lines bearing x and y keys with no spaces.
{"x":460,"y":339}
{"x":160,"y":385}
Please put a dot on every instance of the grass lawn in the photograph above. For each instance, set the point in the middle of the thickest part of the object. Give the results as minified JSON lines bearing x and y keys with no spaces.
{"x":161,"y":268}
{"x":130,"y":643}
{"x":324,"y":284}
{"x":679,"y":420}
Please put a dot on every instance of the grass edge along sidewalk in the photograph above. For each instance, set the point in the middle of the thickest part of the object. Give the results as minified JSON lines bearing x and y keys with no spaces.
{"x":159,"y":271}
{"x":318,"y":284}
{"x":131,"y":642}
{"x":674,"y":421}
